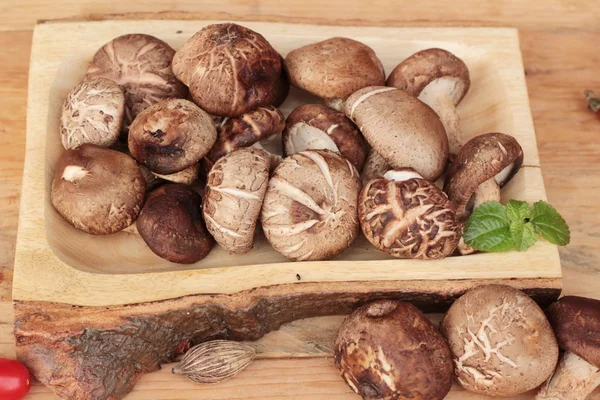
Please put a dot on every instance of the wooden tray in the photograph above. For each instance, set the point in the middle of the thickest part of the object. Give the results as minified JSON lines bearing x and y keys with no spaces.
{"x":115,"y":281}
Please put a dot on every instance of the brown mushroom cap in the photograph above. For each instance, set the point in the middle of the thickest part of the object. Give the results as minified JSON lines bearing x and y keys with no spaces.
{"x":501,"y":341}
{"x":246,"y":130}
{"x":576,"y":323}
{"x":388,"y":350}
{"x":141,"y":64}
{"x":408,"y":217}
{"x":97,"y":190}
{"x":334,"y":68}
{"x":492,"y":155}
{"x":402,"y":129}
{"x":309,"y":211}
{"x":316,"y":126}
{"x":431,"y":66}
{"x":186,"y":176}
{"x":170,"y":136}
{"x":235,"y":189}
{"x":171,"y":224}
{"x":92,"y":113}
{"x":229,"y":69}
{"x":282,"y":86}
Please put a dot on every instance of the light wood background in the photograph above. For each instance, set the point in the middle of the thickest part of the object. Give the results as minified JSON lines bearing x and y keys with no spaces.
{"x":559,"y":40}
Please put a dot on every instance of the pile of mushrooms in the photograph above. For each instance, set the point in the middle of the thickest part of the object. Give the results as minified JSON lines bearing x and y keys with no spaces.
{"x":228,"y":161}
{"x":494,"y":340}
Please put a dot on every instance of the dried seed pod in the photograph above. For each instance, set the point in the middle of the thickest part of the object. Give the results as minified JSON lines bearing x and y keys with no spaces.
{"x":215,"y":361}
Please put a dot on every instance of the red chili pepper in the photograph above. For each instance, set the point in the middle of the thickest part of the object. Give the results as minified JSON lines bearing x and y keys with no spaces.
{"x":15,"y":380}
{"x":593,"y":100}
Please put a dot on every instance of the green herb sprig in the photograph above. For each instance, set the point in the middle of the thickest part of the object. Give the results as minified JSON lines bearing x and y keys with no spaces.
{"x":493,"y":227}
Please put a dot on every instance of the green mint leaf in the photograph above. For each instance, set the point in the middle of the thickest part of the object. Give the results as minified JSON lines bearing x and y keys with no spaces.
{"x":518,"y":211}
{"x":488,"y":228}
{"x":523,"y":234}
{"x":550,"y":224}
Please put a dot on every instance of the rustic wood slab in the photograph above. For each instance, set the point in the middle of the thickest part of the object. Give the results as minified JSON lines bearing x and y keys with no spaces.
{"x":547,"y":280}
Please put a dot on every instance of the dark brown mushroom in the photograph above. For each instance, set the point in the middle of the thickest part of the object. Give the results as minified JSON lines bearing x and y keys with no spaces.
{"x":282,"y":87}
{"x":171,"y":224}
{"x":97,"y":190}
{"x":229,"y":69}
{"x":92,"y":113}
{"x":440,"y":80}
{"x":170,"y":136}
{"x":492,"y":156}
{"x":246,"y":130}
{"x":407,"y":216}
{"x":388,"y":350}
{"x":576,"y":323}
{"x":141,"y":64}
{"x":316,"y":126}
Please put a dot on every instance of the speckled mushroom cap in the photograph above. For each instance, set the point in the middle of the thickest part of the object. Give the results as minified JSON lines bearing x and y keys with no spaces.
{"x":408,"y":218}
{"x":171,"y":224}
{"x":92,"y":113}
{"x":97,"y":190}
{"x":141,"y":64}
{"x":246,"y":130}
{"x":235,"y":189}
{"x":170,"y":136}
{"x":388,"y":350}
{"x":402,"y":129}
{"x":229,"y":69}
{"x":309,"y":211}
{"x":427,"y":66}
{"x":334,"y":68}
{"x":501,"y":341}
{"x":576,"y":323}
{"x":316,"y":126}
{"x":492,"y":155}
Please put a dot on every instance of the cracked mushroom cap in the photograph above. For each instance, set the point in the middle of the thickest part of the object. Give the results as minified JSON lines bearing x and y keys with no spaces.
{"x":246,"y":130}
{"x":576,"y":323}
{"x":402,"y":129}
{"x":92,"y":113}
{"x":235,"y":189}
{"x":310,"y":208}
{"x":170,"y":136}
{"x":389,"y":350}
{"x":406,"y":216}
{"x":492,"y":155}
{"x":334,"y":68}
{"x":501,"y":341}
{"x":229,"y":69}
{"x":171,"y":224}
{"x":141,"y":65}
{"x":316,"y":126}
{"x":97,"y":190}
{"x":429,"y":72}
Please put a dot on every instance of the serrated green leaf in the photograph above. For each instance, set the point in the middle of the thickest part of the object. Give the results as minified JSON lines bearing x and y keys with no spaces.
{"x":518,"y":211}
{"x":488,"y":228}
{"x":550,"y":224}
{"x":523,"y":235}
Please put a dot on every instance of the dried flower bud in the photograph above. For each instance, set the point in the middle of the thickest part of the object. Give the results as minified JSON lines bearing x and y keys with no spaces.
{"x":215,"y":361}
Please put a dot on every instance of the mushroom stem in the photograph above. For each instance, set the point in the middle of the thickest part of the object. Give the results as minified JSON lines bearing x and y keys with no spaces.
{"x":487,"y":191}
{"x":574,"y":379}
{"x":337,"y":104}
{"x":444,"y":107}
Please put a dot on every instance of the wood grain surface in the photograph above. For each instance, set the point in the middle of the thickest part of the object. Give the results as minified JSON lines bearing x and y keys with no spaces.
{"x":559,"y":42}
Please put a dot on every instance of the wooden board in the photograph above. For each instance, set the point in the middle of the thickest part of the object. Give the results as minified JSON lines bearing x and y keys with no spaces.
{"x":55,"y":263}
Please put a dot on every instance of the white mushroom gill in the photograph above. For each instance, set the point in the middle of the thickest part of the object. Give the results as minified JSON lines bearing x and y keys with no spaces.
{"x":401,"y":175}
{"x":451,"y":87}
{"x":305,"y":137}
{"x":74,"y":173}
{"x":503,"y":175}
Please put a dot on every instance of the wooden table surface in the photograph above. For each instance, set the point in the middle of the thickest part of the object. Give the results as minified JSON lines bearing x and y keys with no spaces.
{"x":559,"y":40}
